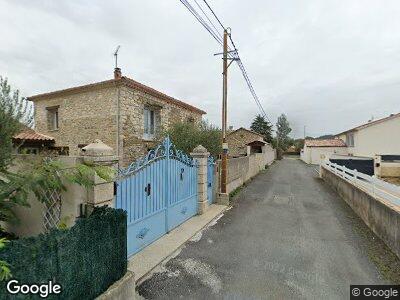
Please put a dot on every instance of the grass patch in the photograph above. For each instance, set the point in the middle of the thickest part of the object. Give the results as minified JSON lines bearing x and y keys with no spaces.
{"x":236,"y":191}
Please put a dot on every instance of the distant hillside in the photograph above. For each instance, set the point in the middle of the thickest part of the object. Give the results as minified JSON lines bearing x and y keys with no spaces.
{"x":326,"y":137}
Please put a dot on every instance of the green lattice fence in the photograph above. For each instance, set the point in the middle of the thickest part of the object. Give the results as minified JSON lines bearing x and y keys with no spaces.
{"x":85,"y":259}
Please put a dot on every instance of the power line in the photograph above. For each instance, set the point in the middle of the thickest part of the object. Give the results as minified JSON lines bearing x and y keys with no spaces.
{"x":220,"y":35}
{"x":223,"y":27}
{"x":232,"y":54}
{"x":201,"y":20}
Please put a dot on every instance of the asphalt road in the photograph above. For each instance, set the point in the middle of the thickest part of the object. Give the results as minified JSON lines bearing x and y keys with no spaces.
{"x":288,"y":236}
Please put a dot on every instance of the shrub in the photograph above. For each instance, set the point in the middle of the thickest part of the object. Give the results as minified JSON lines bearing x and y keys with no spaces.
{"x":186,"y":136}
{"x":85,"y":259}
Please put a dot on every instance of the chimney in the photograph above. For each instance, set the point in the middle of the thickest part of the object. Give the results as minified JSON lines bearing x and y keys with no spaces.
{"x":117,"y":73}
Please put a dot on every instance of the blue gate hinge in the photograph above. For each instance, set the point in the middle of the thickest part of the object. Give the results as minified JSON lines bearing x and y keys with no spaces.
{"x":142,"y":233}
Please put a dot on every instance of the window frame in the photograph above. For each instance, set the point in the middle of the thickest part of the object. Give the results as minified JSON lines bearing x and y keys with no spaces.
{"x":149,"y":123}
{"x":53,"y":118}
{"x":350,"y":139}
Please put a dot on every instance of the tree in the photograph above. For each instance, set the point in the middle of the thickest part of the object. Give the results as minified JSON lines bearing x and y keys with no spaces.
{"x":282,"y":132}
{"x":299,"y":144}
{"x":187,"y":135}
{"x":262,"y":126}
{"x":5,"y":272}
{"x":14,"y":113}
{"x":39,"y":175}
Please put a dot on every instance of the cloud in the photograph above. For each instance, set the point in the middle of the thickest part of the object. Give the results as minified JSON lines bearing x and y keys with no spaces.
{"x":329,"y":65}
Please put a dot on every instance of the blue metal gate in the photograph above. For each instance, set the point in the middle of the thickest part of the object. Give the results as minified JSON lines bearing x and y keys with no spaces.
{"x":210,"y":179}
{"x":158,"y":192}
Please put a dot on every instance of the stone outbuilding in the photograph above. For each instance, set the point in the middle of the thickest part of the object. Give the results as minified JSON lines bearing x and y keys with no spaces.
{"x":241,"y":139}
{"x":123,"y":113}
{"x":29,"y":141}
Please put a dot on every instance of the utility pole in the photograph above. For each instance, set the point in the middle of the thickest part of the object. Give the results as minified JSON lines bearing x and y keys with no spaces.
{"x":225,"y":66}
{"x":304,"y":131}
{"x":224,"y":159}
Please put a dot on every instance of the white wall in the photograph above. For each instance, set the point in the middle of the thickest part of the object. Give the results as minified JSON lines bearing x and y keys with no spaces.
{"x":314,"y":155}
{"x":305,"y":154}
{"x":382,"y":138}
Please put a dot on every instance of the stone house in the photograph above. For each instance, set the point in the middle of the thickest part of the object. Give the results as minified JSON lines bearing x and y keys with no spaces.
{"x":240,"y":139}
{"x":123,"y":113}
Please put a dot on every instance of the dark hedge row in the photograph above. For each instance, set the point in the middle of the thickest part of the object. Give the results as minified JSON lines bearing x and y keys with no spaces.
{"x":85,"y":259}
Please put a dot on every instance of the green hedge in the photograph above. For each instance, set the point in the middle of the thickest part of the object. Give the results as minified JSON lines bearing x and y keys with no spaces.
{"x":85,"y":259}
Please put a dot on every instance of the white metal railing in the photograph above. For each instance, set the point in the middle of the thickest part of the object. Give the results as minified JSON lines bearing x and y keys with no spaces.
{"x":371,"y":184}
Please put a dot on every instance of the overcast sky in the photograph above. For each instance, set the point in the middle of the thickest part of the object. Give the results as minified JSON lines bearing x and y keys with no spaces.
{"x":328,"y":65}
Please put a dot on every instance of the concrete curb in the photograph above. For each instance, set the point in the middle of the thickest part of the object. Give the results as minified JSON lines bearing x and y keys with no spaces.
{"x":158,"y":259}
{"x":121,"y":289}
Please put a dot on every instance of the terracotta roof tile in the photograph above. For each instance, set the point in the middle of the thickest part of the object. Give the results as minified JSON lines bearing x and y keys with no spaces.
{"x":325,"y":143}
{"x":122,"y":81}
{"x":32,"y":135}
{"x":139,"y":86}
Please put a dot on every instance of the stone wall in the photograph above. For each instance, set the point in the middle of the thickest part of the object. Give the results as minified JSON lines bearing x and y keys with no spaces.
{"x":93,"y":114}
{"x":381,"y":217}
{"x":133,"y":104}
{"x":83,"y":117}
{"x":238,"y":139}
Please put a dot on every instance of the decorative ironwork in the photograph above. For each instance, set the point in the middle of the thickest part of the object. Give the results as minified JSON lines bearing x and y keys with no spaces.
{"x":210,"y":178}
{"x":165,"y":149}
{"x":158,"y":192}
{"x":52,"y":214}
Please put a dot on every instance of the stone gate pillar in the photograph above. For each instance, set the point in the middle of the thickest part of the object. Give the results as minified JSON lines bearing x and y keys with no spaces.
{"x":200,"y":154}
{"x":98,"y":153}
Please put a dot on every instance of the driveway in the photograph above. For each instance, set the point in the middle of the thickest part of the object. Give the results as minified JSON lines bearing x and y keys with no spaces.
{"x":288,"y":236}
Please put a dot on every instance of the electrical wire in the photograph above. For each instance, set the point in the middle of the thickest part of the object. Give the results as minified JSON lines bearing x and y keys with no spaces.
{"x":209,"y":7}
{"x":201,"y":20}
{"x":233,"y":54}
{"x":212,"y":24}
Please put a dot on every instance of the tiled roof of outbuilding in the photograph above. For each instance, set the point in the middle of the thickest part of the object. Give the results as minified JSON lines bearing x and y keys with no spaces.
{"x":325,"y":143}
{"x":32,"y":135}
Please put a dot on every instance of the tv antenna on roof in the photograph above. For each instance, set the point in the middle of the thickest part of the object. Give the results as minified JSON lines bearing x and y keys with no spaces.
{"x":116,"y":56}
